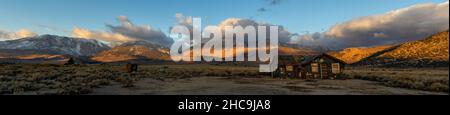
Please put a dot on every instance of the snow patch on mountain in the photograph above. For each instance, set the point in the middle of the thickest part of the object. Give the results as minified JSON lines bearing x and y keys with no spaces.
{"x":57,"y":45}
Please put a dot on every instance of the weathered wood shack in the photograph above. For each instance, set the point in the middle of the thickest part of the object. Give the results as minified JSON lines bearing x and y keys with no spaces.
{"x":309,"y":67}
{"x":289,"y":65}
{"x":323,"y":67}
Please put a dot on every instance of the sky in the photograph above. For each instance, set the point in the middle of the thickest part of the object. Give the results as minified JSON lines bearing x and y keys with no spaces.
{"x":302,"y":17}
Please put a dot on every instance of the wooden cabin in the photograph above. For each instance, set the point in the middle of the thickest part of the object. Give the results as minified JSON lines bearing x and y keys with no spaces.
{"x":323,"y":67}
{"x":289,"y":65}
{"x":72,"y":61}
{"x":309,"y":67}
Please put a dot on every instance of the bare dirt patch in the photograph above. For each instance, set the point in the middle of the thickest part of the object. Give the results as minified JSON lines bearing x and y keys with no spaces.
{"x":263,"y":86}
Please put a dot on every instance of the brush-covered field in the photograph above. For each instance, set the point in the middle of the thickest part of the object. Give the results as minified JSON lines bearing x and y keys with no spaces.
{"x":429,"y":79}
{"x":204,"y":79}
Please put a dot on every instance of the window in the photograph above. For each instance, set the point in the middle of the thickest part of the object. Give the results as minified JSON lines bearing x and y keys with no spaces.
{"x":315,"y":67}
{"x":289,"y":68}
{"x":336,"y":68}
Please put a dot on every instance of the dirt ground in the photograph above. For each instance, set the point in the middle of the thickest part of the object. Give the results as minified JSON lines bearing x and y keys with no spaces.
{"x":255,"y":86}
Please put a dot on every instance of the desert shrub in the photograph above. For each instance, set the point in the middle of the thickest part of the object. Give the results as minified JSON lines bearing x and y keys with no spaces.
{"x":81,"y":74}
{"x":80,"y":79}
{"x":418,"y":85}
{"x":99,"y":82}
{"x":38,"y":76}
{"x":18,"y":87}
{"x":48,"y":82}
{"x":5,"y":78}
{"x":73,"y":88}
{"x":196,"y":73}
{"x":5,"y":88}
{"x":176,"y":73}
{"x":211,"y":73}
{"x":343,"y":76}
{"x":250,"y":74}
{"x":58,"y":79}
{"x":186,"y":75}
{"x":439,"y":87}
{"x":107,"y":75}
{"x":10,"y":72}
{"x":439,"y":84}
{"x":125,"y":81}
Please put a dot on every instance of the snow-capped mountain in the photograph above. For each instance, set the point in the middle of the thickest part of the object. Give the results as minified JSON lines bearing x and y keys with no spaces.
{"x":51,"y":44}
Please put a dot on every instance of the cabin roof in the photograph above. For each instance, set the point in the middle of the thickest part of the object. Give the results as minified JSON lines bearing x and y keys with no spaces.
{"x":311,"y":59}
{"x":304,"y":59}
{"x":294,"y":59}
{"x":290,"y":59}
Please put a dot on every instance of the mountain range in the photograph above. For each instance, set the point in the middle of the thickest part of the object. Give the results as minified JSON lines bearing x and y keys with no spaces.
{"x":51,"y":44}
{"x":429,"y":51}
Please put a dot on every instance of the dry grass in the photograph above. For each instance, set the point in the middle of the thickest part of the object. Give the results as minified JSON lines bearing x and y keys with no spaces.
{"x":54,"y":79}
{"x":45,"y":79}
{"x":429,"y":79}
{"x":48,"y":79}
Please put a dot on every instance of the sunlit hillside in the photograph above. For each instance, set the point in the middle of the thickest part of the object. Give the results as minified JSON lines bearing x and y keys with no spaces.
{"x":353,"y":55}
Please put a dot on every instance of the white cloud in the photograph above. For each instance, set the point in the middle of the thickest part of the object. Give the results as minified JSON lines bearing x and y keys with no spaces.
{"x":406,"y":24}
{"x":125,"y":32}
{"x":104,"y":36}
{"x":284,"y":35}
{"x":22,"y":33}
{"x":183,"y":20}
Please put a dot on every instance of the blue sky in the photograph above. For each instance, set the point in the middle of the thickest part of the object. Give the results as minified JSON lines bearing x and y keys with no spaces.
{"x":57,"y":16}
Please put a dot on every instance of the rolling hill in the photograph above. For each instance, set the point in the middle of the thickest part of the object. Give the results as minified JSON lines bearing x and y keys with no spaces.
{"x":137,"y":50}
{"x":431,"y":51}
{"x":353,"y":55}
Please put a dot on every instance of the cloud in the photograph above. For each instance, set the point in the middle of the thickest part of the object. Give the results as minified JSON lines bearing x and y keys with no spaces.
{"x":275,"y":2}
{"x":284,"y":36}
{"x":183,"y":20}
{"x":262,"y":10}
{"x":104,"y":36}
{"x":22,"y":33}
{"x":145,"y":32}
{"x":270,"y":3}
{"x":406,"y":24}
{"x":125,"y":32}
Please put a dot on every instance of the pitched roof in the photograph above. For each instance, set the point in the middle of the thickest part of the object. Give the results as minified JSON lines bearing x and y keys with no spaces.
{"x":323,"y":55}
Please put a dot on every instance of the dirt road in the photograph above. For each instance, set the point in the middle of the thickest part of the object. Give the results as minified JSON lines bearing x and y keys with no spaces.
{"x":255,"y":86}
